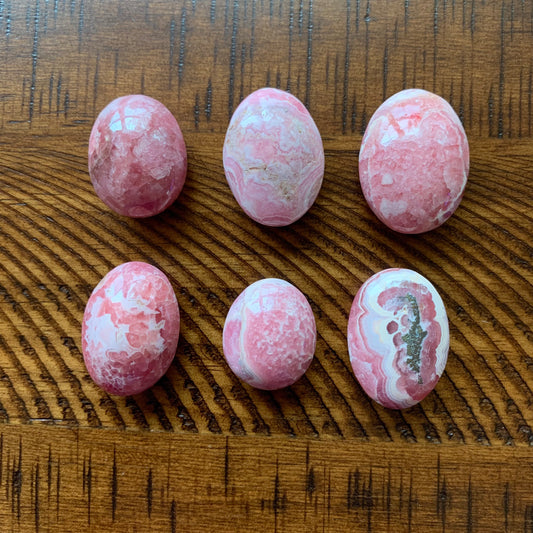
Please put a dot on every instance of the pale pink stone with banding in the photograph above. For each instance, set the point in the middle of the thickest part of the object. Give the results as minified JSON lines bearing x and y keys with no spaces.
{"x":269,"y":336}
{"x":137,"y":156}
{"x":130,"y":329}
{"x":414,"y":161}
{"x":398,"y":337}
{"x":273,"y":157}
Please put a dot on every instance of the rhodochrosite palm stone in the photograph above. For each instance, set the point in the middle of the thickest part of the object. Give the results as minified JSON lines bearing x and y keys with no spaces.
{"x":269,"y":335}
{"x":413,"y":162}
{"x":398,"y":337}
{"x":130,"y":329}
{"x":273,"y":157}
{"x":137,"y":156}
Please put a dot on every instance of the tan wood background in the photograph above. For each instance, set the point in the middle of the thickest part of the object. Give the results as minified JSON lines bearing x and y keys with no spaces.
{"x":201,"y":451}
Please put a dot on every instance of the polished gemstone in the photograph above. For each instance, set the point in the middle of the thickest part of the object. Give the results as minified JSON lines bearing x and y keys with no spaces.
{"x":398,"y":337}
{"x":273,"y":157}
{"x":269,"y":335}
{"x":414,"y":161}
{"x":130,"y":328}
{"x":137,"y":156}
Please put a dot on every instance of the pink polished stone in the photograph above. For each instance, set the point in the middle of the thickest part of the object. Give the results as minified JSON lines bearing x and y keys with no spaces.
{"x":130,"y":329}
{"x":398,"y":337}
{"x":413,"y":162}
{"x":273,"y":157}
{"x":269,"y":335}
{"x":137,"y":156}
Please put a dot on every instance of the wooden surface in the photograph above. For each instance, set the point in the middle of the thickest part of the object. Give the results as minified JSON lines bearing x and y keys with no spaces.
{"x":200,"y":451}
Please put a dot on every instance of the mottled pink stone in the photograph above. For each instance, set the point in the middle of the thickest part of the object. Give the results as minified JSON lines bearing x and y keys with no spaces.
{"x":398,"y":337}
{"x":130,"y":329}
{"x":273,"y":157}
{"x":413,"y":162}
{"x":269,"y":335}
{"x":137,"y":156}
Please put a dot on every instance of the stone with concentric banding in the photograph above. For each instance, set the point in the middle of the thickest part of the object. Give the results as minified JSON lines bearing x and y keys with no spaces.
{"x":398,"y":337}
{"x":273,"y":157}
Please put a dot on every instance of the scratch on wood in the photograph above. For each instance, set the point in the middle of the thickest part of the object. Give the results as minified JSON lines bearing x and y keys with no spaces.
{"x":114,"y":486}
{"x":182,"y":48}
{"x":226,"y":467}
{"x":469,"y":508}
{"x":233,"y":57}
{"x":291,"y":29}
{"x":36,"y":511}
{"x":385,"y":70}
{"x":196,"y":111}
{"x":502,"y":73}
{"x":208,"y":100}
{"x":34,"y":58}
{"x":149,"y":493}
{"x":172,"y":43}
{"x":81,"y":23}
{"x":49,"y":464}
{"x":346,"y":68}
{"x":309,"y":56}
{"x":173,"y":515}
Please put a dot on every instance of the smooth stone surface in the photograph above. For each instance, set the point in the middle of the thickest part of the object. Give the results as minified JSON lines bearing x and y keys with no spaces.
{"x":414,"y":161}
{"x":273,"y":157}
{"x":130,"y":329}
{"x":269,"y":336}
{"x":137,"y":156}
{"x":398,"y":337}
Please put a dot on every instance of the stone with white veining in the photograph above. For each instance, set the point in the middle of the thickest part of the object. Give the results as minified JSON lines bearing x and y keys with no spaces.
{"x":130,"y":328}
{"x":273,"y":157}
{"x":398,"y":337}
{"x":414,"y":161}
{"x":269,"y":336}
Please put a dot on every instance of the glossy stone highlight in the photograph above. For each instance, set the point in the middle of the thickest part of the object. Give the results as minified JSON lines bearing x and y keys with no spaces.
{"x":414,"y":161}
{"x":273,"y":157}
{"x":137,"y":156}
{"x":398,"y":337}
{"x":269,"y":335}
{"x":130,"y":329}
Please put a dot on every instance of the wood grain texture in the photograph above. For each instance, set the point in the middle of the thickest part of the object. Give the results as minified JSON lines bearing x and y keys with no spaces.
{"x":61,"y":63}
{"x":64,"y":479}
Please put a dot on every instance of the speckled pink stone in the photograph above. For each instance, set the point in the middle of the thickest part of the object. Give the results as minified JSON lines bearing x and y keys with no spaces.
{"x":269,"y":335}
{"x":137,"y":156}
{"x":398,"y":337}
{"x":273,"y":157}
{"x":130,"y":329}
{"x":413,"y":162}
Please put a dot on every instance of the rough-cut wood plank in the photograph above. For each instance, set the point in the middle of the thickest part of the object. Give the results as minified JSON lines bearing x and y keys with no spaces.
{"x":54,"y":479}
{"x":348,"y":462}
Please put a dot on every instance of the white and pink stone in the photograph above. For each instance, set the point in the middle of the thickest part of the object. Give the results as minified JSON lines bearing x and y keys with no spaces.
{"x":398,"y":337}
{"x":130,"y":329}
{"x":273,"y":157}
{"x":137,"y":156}
{"x":269,"y":335}
{"x":414,"y":161}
